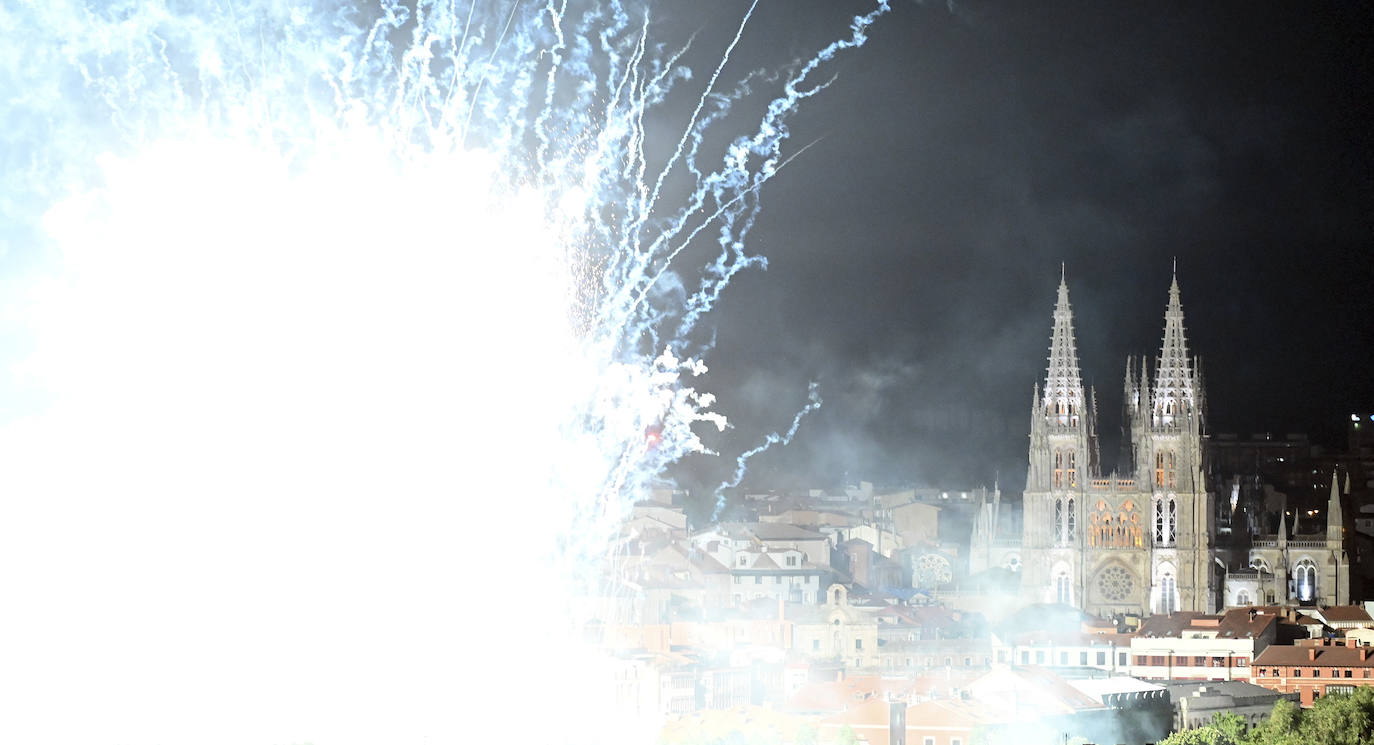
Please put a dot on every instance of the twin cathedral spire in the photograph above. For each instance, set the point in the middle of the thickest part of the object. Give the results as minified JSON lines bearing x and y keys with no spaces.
{"x":1064,"y":443}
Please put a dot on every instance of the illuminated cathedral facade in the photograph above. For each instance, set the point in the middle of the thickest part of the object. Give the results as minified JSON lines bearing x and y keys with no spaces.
{"x":1144,"y":541}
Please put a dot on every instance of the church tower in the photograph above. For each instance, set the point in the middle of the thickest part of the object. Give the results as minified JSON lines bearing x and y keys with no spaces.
{"x":1167,"y":424}
{"x":1063,"y":458}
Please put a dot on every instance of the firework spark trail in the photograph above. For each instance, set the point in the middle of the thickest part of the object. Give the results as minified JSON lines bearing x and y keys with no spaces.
{"x":813,"y":397}
{"x":296,"y":335}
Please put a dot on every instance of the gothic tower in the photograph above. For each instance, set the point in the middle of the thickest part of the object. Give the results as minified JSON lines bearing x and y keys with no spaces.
{"x":1167,"y":425}
{"x":1063,"y":458}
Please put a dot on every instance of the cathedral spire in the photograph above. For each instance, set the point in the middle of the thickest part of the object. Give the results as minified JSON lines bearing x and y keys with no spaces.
{"x":1174,"y":393}
{"x":1063,"y":395}
{"x":1335,"y":521}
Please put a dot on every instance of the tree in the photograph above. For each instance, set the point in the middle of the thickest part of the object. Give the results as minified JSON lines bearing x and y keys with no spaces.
{"x":1336,"y":719}
{"x":1341,"y":719}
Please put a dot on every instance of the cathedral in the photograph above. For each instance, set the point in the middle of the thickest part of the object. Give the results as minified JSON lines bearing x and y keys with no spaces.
{"x":1145,"y":541}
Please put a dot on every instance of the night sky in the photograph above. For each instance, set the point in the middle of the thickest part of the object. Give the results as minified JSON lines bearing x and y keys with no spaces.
{"x":967,"y":150}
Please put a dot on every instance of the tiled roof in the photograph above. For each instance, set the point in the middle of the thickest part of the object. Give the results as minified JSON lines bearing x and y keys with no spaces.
{"x":783,"y":532}
{"x":1276,"y":654}
{"x":1345,"y":613}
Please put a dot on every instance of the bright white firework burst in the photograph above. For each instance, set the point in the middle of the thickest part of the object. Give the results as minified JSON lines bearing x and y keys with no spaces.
{"x":332,"y":381}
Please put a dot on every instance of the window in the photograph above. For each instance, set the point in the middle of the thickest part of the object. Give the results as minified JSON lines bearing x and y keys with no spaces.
{"x":1025,"y":657}
{"x":858,"y":644}
{"x":815,"y":645}
{"x":791,"y":561}
{"x":1305,"y":580}
{"x":1121,"y":659}
{"x":1039,"y":656}
{"x":1058,"y":522}
{"x":1083,"y":658}
{"x":1102,"y":658}
{"x":1062,"y":591}
{"x":1348,"y":674}
{"x":1242,"y":598}
{"x":1167,"y":590}
{"x":1166,"y":520}
{"x":758,"y":579}
{"x":1072,"y":525}
{"x":1063,"y":658}
{"x":1297,"y":672}
{"x":1071,"y":470}
{"x":968,"y":661}
{"x":955,"y":741}
{"x":1165,"y":473}
{"x":1058,"y":471}
{"x":928,"y":741}
{"x":1242,"y":662}
{"x":741,"y":561}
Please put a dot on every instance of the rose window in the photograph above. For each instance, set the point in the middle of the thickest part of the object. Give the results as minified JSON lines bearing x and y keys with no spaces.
{"x":1115,"y":584}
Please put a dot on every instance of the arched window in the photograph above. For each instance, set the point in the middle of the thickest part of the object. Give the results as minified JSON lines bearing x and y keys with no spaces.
{"x":1258,"y":562}
{"x":1059,"y":469}
{"x":1166,"y":520}
{"x":1305,"y":580}
{"x":1072,"y":524}
{"x":1063,"y":590}
{"x":1168,"y":591}
{"x":1073,"y":481}
{"x":1059,"y":522}
{"x":1242,"y":598}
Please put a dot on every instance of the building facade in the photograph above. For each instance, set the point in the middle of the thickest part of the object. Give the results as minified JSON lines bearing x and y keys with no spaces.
{"x":1143,"y":539}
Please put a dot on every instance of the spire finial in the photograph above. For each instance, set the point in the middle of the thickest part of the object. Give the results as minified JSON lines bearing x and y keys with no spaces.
{"x":1063,"y":272}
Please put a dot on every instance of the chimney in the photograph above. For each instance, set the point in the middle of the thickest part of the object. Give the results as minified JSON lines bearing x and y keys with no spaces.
{"x":1364,"y":654}
{"x":1312,"y":653}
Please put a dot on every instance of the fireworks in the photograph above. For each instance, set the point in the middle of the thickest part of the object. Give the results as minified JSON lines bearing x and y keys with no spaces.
{"x":341,"y":332}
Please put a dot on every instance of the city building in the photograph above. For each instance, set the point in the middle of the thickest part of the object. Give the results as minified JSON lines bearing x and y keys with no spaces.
{"x":1314,"y":668}
{"x":1199,"y":646}
{"x":1196,"y":703}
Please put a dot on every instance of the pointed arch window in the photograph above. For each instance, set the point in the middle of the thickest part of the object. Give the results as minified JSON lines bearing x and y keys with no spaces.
{"x":1063,"y":591}
{"x":1072,"y":470}
{"x":1166,"y":469}
{"x":1166,"y":520}
{"x":1305,"y":581}
{"x":1071,"y":523}
{"x":1168,"y":593}
{"x":1059,"y":522}
{"x":1059,"y":469}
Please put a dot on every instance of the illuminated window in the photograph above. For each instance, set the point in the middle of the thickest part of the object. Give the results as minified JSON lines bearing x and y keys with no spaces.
{"x":1072,"y":470}
{"x":1058,"y":469}
{"x":1305,"y":580}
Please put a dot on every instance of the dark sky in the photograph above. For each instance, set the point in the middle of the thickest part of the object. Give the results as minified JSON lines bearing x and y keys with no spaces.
{"x":968,"y":151}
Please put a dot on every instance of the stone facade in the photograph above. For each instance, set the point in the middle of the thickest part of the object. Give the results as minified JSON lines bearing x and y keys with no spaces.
{"x":1142,"y":541}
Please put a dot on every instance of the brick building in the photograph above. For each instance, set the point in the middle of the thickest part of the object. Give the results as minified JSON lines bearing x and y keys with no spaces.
{"x":1314,"y":668}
